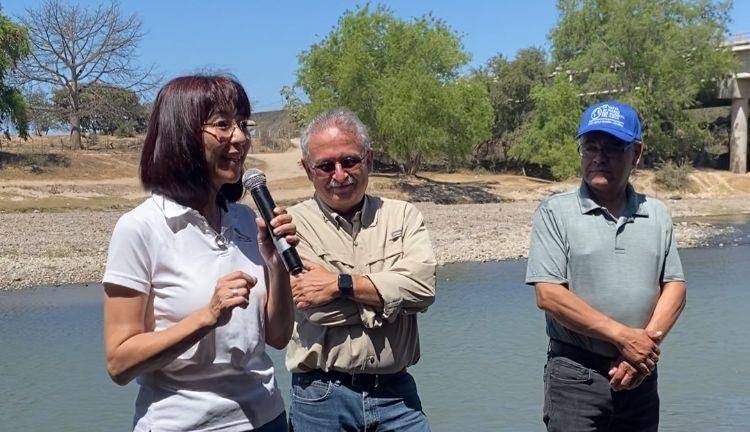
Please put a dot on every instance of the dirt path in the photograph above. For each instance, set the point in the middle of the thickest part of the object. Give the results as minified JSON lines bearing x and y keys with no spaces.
{"x":282,"y":166}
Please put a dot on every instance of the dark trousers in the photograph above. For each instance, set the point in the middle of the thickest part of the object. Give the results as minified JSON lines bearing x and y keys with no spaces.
{"x":578,"y":397}
{"x":278,"y":424}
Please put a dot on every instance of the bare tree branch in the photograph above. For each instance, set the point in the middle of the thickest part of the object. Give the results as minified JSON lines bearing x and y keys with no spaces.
{"x":74,"y":47}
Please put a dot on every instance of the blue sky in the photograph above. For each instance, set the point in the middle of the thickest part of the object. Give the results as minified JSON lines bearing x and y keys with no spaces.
{"x":259,"y":41}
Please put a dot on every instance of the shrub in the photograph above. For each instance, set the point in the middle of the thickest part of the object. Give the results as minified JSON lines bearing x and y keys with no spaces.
{"x":674,"y":176}
{"x":124,"y":131}
{"x":35,"y":162}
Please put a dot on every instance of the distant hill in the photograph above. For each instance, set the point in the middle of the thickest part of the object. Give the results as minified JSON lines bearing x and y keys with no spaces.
{"x":274,"y":129}
{"x":277,"y":124}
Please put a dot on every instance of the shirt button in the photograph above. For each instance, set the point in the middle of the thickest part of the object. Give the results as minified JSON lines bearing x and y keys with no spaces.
{"x":356,"y":243}
{"x":372,"y":360}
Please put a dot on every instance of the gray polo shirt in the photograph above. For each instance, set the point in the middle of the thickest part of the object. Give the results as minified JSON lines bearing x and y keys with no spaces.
{"x":614,"y":265}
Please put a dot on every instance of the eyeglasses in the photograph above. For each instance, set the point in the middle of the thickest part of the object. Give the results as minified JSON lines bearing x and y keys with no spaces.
{"x":347,"y":163}
{"x":226,"y":129}
{"x":590,"y":150}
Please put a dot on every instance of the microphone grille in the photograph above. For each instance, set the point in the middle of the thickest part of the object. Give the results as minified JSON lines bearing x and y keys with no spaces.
{"x":253,"y":178}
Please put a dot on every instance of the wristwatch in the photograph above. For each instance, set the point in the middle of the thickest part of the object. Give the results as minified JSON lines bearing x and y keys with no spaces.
{"x":346,"y":285}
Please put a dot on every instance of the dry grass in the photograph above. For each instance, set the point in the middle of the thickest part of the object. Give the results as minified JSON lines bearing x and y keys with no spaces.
{"x":50,"y":143}
{"x":63,"y":203}
{"x":38,"y":175}
{"x":50,"y":158}
{"x":76,"y":166}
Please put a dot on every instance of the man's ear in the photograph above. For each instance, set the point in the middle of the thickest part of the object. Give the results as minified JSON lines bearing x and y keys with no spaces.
{"x":306,"y":168}
{"x":369,"y":157}
{"x":639,"y":149}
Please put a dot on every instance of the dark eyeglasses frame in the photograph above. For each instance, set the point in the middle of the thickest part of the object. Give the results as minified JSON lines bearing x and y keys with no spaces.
{"x":608,"y":150}
{"x":245,"y":126}
{"x":348,"y":162}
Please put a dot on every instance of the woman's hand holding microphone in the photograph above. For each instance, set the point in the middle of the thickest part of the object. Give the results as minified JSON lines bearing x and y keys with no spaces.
{"x":233,"y":290}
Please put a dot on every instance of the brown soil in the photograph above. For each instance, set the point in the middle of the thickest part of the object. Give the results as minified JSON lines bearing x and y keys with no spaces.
{"x":40,"y":175}
{"x":58,"y":201}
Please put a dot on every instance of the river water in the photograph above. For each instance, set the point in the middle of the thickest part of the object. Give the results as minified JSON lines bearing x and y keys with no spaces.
{"x":483,"y":350}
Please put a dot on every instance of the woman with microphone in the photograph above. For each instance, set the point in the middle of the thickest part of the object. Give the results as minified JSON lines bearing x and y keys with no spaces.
{"x":194,"y":288}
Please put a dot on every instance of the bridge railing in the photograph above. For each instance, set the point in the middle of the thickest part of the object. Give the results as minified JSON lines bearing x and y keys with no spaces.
{"x":738,"y":38}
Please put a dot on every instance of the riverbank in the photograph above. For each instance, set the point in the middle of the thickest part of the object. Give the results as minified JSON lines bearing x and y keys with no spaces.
{"x":71,"y":247}
{"x":58,"y":207}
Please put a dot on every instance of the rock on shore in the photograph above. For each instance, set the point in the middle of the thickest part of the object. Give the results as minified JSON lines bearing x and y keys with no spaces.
{"x":71,"y":247}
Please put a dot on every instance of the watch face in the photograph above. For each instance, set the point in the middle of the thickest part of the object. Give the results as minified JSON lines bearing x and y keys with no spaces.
{"x":346,"y":285}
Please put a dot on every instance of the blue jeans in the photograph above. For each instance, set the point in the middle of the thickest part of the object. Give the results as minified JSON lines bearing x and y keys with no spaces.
{"x":321,"y":404}
{"x":579,"y":398}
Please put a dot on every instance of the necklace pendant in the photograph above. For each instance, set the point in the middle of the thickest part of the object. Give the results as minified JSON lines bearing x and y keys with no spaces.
{"x":221,"y":241}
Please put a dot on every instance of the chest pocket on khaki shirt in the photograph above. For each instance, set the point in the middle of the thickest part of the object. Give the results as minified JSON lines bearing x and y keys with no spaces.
{"x":385,"y":258}
{"x":334,"y":261}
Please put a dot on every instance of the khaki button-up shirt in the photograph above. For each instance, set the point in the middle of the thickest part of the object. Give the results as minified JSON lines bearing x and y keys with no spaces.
{"x":386,"y":242}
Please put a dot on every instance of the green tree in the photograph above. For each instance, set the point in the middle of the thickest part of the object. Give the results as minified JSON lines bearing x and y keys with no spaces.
{"x":105,"y":109}
{"x":657,"y":55}
{"x":509,"y":84}
{"x":14,"y":47}
{"x":402,"y":79}
{"x":42,"y":113}
{"x":294,"y":105}
{"x":548,"y":139}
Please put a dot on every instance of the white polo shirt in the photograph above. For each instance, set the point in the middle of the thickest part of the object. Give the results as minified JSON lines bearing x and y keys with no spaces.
{"x":226,"y":381}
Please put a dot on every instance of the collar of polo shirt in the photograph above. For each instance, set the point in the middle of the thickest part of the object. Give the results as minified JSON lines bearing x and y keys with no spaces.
{"x":171,"y":209}
{"x":588,"y":204}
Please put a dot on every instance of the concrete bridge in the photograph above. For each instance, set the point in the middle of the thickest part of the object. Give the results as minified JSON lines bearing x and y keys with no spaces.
{"x":737,"y":89}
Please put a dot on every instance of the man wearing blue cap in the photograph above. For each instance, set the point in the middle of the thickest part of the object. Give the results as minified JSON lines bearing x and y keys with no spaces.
{"x":606,"y":270}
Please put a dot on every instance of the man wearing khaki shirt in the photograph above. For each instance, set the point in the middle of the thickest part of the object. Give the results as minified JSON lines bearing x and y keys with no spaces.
{"x":370,"y":269}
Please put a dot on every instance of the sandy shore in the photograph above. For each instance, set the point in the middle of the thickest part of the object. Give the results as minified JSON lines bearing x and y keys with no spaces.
{"x":71,"y":247}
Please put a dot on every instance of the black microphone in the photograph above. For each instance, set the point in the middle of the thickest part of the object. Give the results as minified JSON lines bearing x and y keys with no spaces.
{"x":255,"y":181}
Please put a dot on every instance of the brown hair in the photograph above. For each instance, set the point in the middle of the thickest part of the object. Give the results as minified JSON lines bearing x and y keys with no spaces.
{"x":173,"y":162}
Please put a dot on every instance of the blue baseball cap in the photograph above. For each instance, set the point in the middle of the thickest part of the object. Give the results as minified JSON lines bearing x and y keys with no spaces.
{"x":612,"y":117}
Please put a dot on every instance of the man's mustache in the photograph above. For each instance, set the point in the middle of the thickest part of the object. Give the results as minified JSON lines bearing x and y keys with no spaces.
{"x":349,"y":181}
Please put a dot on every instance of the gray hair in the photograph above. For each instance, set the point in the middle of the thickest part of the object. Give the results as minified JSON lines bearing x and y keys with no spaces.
{"x":341,"y":118}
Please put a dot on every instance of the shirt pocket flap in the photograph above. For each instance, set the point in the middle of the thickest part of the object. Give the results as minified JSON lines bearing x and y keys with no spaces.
{"x":390,"y":253}
{"x":335,"y":259}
